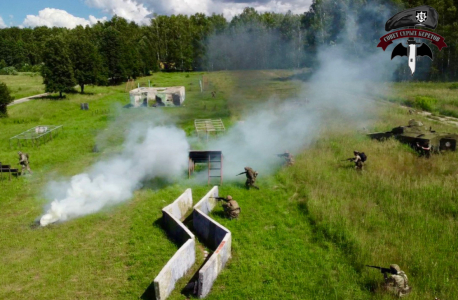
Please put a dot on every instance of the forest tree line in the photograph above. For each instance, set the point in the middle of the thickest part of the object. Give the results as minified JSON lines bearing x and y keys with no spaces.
{"x":116,"y":50}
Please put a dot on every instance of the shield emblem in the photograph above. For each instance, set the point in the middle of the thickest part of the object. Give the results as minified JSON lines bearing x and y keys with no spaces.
{"x":421,"y":16}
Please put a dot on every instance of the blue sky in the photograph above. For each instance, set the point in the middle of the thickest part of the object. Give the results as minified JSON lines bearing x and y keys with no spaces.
{"x":21,"y":8}
{"x":70,"y":13}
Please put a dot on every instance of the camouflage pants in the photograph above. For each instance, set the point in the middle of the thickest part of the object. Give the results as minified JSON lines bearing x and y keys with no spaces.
{"x":232,"y":214}
{"x":250,"y":182}
{"x":25,"y":166}
{"x":359,"y":165}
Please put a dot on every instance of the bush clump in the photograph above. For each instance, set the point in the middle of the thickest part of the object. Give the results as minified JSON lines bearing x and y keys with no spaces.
{"x":8,"y":71}
{"x":453,"y":86}
{"x":425,"y":103}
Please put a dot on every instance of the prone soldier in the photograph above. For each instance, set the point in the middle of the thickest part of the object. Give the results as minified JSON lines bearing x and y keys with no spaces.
{"x":231,"y":207}
{"x":24,"y":162}
{"x":289,"y":159}
{"x":397,"y":282}
{"x":250,"y":177}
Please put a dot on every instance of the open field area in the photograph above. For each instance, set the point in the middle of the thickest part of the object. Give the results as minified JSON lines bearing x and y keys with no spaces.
{"x":24,"y":84}
{"x":306,"y":234}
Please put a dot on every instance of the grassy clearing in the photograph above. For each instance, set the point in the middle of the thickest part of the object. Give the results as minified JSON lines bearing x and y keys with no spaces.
{"x":24,"y":84}
{"x":439,"y":98}
{"x":305,"y":235}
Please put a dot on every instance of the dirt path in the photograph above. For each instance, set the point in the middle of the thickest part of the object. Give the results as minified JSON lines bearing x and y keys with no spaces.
{"x":22,"y":100}
{"x":443,"y":119}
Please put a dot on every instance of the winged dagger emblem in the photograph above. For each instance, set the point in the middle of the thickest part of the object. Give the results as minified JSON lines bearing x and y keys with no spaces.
{"x":412,"y":52}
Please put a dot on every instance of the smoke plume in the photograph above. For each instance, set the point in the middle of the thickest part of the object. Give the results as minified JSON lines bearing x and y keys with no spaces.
{"x":149,"y":152}
{"x":339,"y":89}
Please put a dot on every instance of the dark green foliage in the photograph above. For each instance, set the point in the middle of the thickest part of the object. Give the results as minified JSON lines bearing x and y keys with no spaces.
{"x":251,"y":40}
{"x":85,"y":58}
{"x":8,"y":71}
{"x":5,"y":99}
{"x":57,"y":71}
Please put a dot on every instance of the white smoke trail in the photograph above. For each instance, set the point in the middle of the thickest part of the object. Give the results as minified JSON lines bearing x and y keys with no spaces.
{"x":148,"y":153}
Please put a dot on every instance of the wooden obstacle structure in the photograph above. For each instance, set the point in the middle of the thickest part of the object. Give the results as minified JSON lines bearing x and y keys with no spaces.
{"x":213,"y":159}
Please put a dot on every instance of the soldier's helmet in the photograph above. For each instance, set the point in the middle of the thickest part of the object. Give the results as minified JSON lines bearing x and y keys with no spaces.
{"x":246,"y":168}
{"x":355,"y":152}
{"x":19,"y":152}
{"x":229,"y":197}
{"x":395,"y":268}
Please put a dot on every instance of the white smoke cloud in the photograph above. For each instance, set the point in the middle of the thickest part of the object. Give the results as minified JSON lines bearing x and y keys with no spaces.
{"x":51,"y":17}
{"x":2,"y":23}
{"x":339,"y":89}
{"x":129,"y":9}
{"x":154,"y":152}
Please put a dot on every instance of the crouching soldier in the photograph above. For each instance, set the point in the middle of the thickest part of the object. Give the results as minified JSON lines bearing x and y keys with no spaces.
{"x":231,"y":207}
{"x":289,"y":158}
{"x":397,"y":282}
{"x":24,"y":162}
{"x":250,"y":177}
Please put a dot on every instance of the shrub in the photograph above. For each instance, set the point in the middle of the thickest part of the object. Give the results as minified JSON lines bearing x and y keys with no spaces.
{"x":453,"y":86}
{"x":425,"y":103}
{"x":8,"y":71}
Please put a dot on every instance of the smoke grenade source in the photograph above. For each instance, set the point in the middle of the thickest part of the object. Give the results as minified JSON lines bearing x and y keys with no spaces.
{"x":148,"y":153}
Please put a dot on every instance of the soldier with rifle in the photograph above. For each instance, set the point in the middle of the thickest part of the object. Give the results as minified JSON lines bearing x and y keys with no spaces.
{"x":231,"y":207}
{"x":24,"y":162}
{"x":359,"y":160}
{"x":250,"y":177}
{"x":289,"y":159}
{"x":397,"y":282}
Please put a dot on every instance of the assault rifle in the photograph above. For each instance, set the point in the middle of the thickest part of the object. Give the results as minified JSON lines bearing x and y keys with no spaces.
{"x":349,"y":159}
{"x":241,"y":173}
{"x":382,"y":270}
{"x":282,"y":155}
{"x":221,"y":198}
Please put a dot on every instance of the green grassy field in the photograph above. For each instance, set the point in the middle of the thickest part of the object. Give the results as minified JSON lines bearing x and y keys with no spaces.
{"x":24,"y":84}
{"x":306,"y":234}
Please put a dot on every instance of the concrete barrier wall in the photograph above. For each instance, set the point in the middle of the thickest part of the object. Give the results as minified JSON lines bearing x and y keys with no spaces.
{"x":185,"y":257}
{"x":181,"y":205}
{"x":207,"y":203}
{"x":211,"y":269}
{"x":215,"y":236}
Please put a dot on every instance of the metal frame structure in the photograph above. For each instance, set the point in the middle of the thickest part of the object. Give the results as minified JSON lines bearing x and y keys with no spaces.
{"x":208,"y":126}
{"x":213,"y":159}
{"x":36,"y":134}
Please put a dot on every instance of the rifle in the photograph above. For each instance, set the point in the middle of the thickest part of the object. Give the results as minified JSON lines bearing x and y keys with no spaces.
{"x":282,"y":155}
{"x":382,"y":270}
{"x":221,"y":198}
{"x":241,"y":173}
{"x":349,"y":159}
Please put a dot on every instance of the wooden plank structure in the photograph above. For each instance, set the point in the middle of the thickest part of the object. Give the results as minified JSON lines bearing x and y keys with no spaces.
{"x":7,"y":170}
{"x":208,"y":126}
{"x":36,"y":134}
{"x":213,"y":159}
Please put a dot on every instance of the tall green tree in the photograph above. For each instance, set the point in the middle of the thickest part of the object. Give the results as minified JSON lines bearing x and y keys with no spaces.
{"x":57,"y":70}
{"x":5,"y":99}
{"x":86,"y":60}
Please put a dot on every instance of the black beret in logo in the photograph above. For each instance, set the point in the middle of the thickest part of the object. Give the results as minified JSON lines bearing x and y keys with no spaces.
{"x":418,"y":16}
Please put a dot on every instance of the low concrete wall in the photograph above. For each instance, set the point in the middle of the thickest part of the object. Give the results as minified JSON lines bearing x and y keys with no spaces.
{"x":207,"y":203}
{"x":181,"y":205}
{"x":211,"y":269}
{"x":215,"y":236}
{"x":185,"y":257}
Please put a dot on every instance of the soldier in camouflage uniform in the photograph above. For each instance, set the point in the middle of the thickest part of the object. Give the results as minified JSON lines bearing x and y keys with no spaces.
{"x":289,"y":158}
{"x":358,"y":161}
{"x":231,"y":208}
{"x":397,"y":282}
{"x":250,"y":177}
{"x":24,"y":162}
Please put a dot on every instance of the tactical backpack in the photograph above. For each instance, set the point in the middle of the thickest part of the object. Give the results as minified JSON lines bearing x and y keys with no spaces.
{"x":363,"y":156}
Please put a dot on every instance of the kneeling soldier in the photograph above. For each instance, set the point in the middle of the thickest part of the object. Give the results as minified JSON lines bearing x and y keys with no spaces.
{"x":231,"y":207}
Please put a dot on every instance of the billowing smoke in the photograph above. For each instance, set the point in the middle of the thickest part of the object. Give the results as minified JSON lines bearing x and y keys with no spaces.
{"x":340,"y":88}
{"x":149,"y":152}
